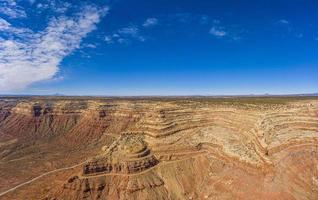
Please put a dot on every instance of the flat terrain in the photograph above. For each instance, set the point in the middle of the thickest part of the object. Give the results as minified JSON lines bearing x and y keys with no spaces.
{"x":159,"y":148}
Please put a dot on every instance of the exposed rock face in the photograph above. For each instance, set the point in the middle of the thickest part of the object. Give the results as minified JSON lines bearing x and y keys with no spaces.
{"x":144,"y":186}
{"x":240,"y":148}
{"x":78,"y":121}
{"x":38,"y":108}
{"x":129,"y":154}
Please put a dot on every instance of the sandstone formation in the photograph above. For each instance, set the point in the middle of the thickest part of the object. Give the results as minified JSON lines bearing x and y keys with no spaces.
{"x":129,"y":154}
{"x":159,"y":148}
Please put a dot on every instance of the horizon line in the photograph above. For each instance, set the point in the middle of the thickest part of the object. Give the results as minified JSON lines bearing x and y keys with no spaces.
{"x":159,"y":95}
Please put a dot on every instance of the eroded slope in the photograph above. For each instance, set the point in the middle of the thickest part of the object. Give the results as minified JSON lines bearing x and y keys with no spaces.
{"x":175,"y":148}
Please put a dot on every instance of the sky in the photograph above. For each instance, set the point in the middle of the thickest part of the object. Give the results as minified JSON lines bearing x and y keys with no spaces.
{"x":158,"y":47}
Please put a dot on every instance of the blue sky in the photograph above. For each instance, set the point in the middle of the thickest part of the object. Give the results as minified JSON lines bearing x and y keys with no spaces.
{"x":164,"y":47}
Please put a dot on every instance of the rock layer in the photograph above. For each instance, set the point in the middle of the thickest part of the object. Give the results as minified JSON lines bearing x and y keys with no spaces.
{"x":129,"y":154}
{"x":185,"y":148}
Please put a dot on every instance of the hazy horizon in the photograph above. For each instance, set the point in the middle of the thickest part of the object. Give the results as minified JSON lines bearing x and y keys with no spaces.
{"x":164,"y":95}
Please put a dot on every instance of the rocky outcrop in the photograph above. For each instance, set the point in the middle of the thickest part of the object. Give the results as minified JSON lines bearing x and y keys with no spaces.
{"x":128,"y":155}
{"x":231,"y":148}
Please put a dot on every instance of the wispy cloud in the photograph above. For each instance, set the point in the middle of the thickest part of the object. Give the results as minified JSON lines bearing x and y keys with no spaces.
{"x":8,"y":30}
{"x":28,"y":57}
{"x":4,"y":25}
{"x":185,"y":18}
{"x":108,"y":39}
{"x":150,"y":22}
{"x":11,"y":9}
{"x":125,"y":35}
{"x":290,"y":29}
{"x":130,"y":30}
{"x":218,"y":32}
{"x":91,"y":46}
{"x":177,"y":21}
{"x":229,"y":32}
{"x":283,"y":21}
{"x":58,"y":6}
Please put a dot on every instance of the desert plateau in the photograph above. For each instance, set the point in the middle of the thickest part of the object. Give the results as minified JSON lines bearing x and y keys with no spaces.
{"x":59,"y":148}
{"x":158,"y":100}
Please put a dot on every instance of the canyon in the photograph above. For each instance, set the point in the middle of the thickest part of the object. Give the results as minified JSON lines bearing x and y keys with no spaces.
{"x":55,"y":148}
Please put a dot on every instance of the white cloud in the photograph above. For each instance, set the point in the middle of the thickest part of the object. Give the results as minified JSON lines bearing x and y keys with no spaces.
{"x":150,"y":22}
{"x":125,"y":35}
{"x":7,"y":29}
{"x":4,"y":24}
{"x":92,"y":46}
{"x":131,"y":30}
{"x":26,"y":58}
{"x":58,"y":6}
{"x":218,"y":32}
{"x":11,"y":9}
{"x":283,"y":21}
{"x":108,"y":39}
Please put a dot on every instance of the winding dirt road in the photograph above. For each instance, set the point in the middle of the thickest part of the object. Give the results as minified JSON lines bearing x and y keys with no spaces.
{"x":38,"y":177}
